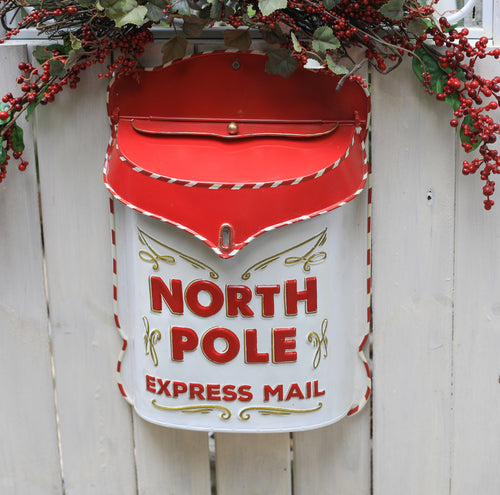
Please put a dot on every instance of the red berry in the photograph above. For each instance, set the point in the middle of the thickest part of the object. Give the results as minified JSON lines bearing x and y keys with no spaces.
{"x":4,"y":115}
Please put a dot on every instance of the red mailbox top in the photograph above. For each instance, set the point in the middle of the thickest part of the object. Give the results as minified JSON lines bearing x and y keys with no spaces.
{"x":224,"y":150}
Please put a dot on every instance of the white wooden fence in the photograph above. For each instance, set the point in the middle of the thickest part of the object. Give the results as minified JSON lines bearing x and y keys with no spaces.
{"x":433,"y":427}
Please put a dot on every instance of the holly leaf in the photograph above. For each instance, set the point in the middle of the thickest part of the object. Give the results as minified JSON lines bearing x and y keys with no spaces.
{"x":136,"y":16}
{"x":393,"y":9}
{"x":31,"y":107}
{"x":274,"y":35}
{"x":76,"y":44}
{"x":3,"y":153}
{"x":423,"y":62}
{"x":73,"y":57}
{"x":42,"y":54}
{"x":181,"y":7}
{"x":334,"y":67}
{"x":17,"y":138}
{"x":57,"y":68}
{"x":237,"y":38}
{"x":267,"y":7}
{"x":468,"y":120}
{"x":296,"y":45}
{"x":417,"y":27}
{"x":193,"y":26}
{"x":155,"y":12}
{"x":174,"y":48}
{"x":330,"y":4}
{"x":281,"y":62}
{"x":216,"y":10}
{"x":324,"y":40}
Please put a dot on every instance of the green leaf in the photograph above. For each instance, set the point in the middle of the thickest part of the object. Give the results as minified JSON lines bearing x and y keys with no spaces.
{"x":193,"y":26}
{"x":468,"y":120}
{"x":393,"y":9}
{"x":423,"y":62}
{"x":273,"y":36}
{"x":41,"y":54}
{"x":31,"y":107}
{"x":336,"y":68}
{"x":85,"y":3}
{"x":155,"y":13}
{"x":324,"y":40}
{"x":237,"y":38}
{"x":330,"y":4}
{"x":76,"y":44}
{"x":280,"y":62}
{"x":17,"y":138}
{"x":267,"y":7}
{"x":3,"y":153}
{"x":57,"y":68}
{"x":135,"y":16}
{"x":216,"y":10}
{"x":181,"y":7}
{"x":73,"y":57}
{"x":251,"y":11}
{"x":296,"y":45}
{"x":417,"y":27}
{"x":174,"y":48}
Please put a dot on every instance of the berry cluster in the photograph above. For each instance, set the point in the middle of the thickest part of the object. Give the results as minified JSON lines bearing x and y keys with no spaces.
{"x":89,"y":39}
{"x":116,"y":31}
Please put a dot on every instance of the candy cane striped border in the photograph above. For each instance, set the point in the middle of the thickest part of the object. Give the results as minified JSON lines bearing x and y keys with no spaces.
{"x":252,"y":185}
{"x":115,"y":302}
{"x":361,"y":353}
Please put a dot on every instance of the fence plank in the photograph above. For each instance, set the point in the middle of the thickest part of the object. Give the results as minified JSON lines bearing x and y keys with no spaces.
{"x":476,"y":366}
{"x":29,"y":458}
{"x":96,"y":425}
{"x":171,"y":461}
{"x":252,"y":464}
{"x":336,"y":459}
{"x":413,"y":206}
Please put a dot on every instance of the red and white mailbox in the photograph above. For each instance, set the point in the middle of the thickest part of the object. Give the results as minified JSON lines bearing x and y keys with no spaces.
{"x":241,"y":295}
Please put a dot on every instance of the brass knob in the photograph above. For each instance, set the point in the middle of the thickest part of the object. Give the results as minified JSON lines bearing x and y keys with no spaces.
{"x":232,"y":128}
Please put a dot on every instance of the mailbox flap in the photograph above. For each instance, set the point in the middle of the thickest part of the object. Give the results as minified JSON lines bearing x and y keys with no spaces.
{"x":224,"y":150}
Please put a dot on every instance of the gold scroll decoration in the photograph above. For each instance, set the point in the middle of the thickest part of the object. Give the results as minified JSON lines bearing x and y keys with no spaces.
{"x":244,"y":414}
{"x":156,"y":251}
{"x":225,"y":413}
{"x":320,"y":342}
{"x":150,"y":341}
{"x":312,"y":255}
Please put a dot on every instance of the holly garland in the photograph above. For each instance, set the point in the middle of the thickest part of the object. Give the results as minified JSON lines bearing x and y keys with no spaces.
{"x":85,"y":32}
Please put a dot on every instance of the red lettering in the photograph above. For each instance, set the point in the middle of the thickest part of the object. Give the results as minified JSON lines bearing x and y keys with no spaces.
{"x":309,"y":295}
{"x":229,"y":393}
{"x":182,"y":339}
{"x":294,"y":391}
{"x":150,"y":384}
{"x":245,"y":394}
{"x":159,"y":292}
{"x":163,"y":387}
{"x":232,"y":345}
{"x":196,"y":391}
{"x":238,"y":297}
{"x":179,"y":388}
{"x":213,"y":391}
{"x":317,"y":392}
{"x":267,"y":292}
{"x":217,"y":298}
{"x":251,"y":353}
{"x":268,"y":391}
{"x":283,"y":342}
